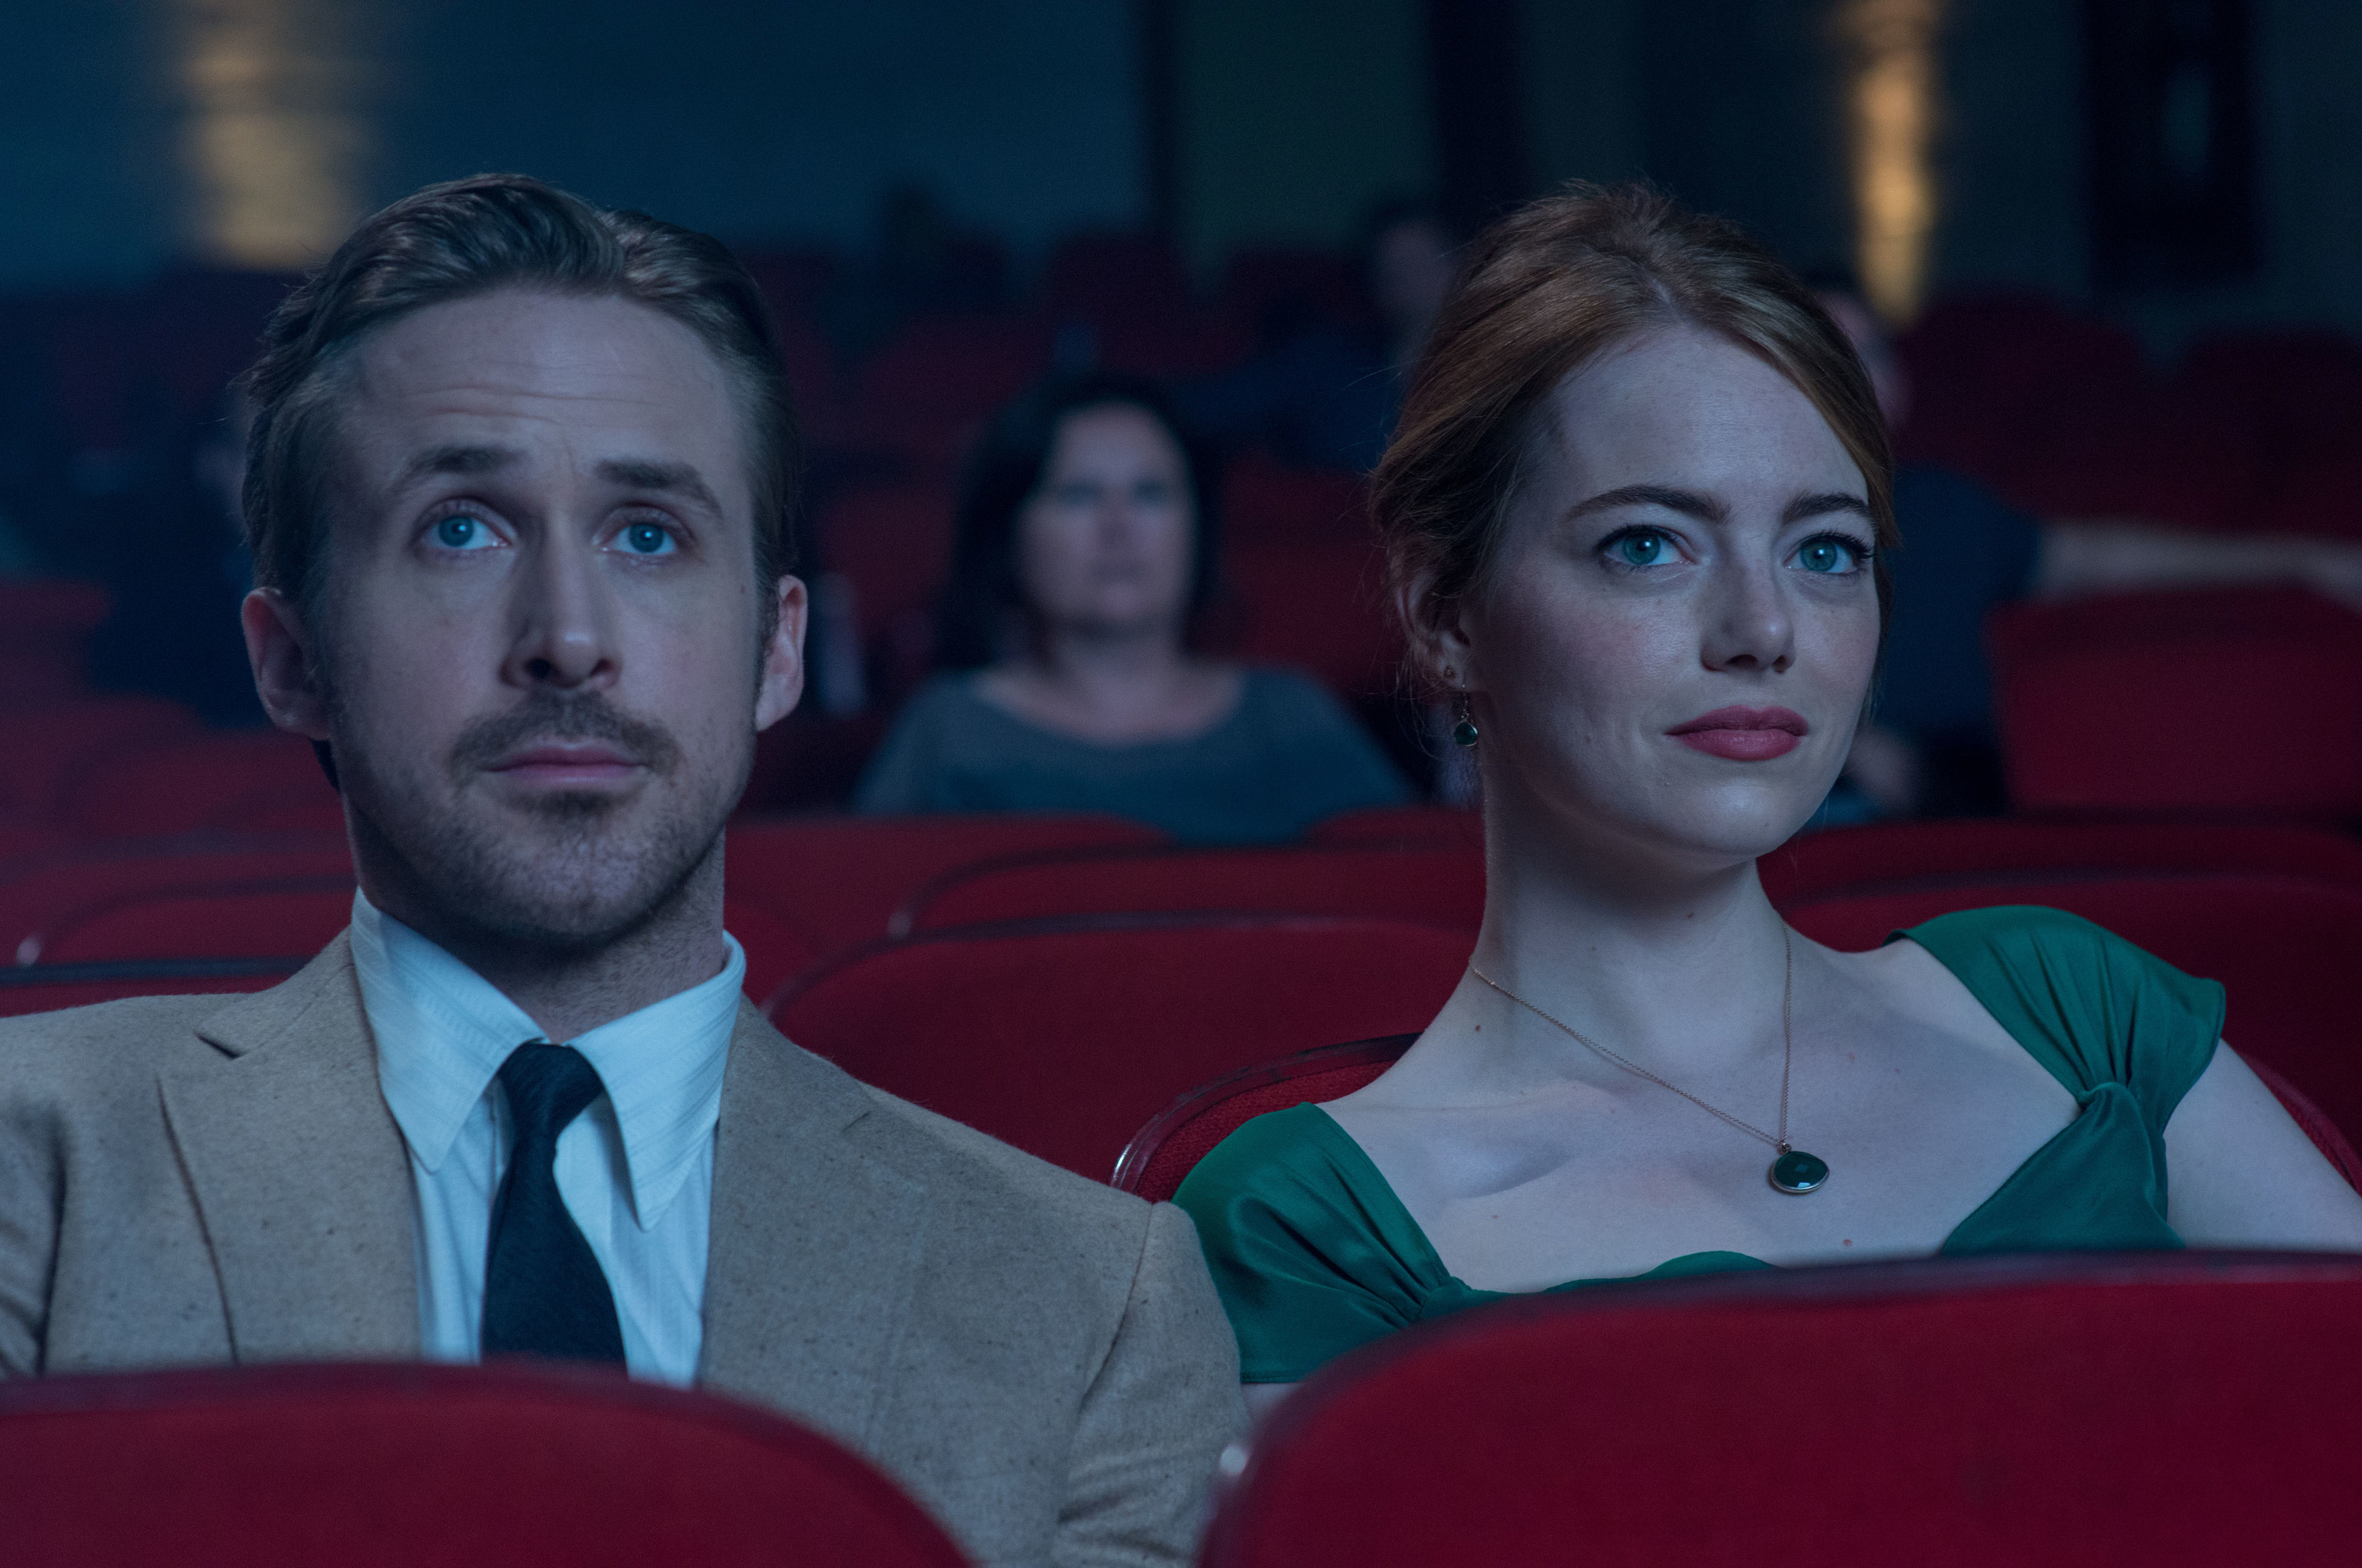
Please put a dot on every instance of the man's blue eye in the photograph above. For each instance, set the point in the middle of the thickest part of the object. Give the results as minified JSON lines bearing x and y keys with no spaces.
{"x":648,"y":538}
{"x":1827,"y":556}
{"x":1640,"y":549}
{"x":463,"y":532}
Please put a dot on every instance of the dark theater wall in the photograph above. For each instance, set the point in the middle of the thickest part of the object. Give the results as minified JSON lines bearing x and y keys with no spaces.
{"x":130,"y":124}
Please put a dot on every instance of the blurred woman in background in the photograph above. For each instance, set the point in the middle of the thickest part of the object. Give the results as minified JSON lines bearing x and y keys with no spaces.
{"x":1085,"y":553}
{"x":1635,"y":516}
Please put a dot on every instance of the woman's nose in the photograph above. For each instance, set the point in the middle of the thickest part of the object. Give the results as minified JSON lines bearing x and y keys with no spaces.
{"x":1748,"y":625}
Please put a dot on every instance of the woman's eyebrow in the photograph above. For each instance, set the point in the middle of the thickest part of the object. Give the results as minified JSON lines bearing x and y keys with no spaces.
{"x":1836,"y":501}
{"x":1688,"y":502}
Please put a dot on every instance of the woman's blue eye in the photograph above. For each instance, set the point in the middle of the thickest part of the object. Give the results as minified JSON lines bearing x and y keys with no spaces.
{"x":647,"y":539}
{"x":1829,"y":555}
{"x":464,"y":533}
{"x":1645,"y":547}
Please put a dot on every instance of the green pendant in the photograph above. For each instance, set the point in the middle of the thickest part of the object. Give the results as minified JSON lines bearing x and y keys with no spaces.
{"x":1463,"y":732}
{"x":1797,"y":1173}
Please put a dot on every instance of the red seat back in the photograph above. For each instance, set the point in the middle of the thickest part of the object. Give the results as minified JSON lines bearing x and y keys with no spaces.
{"x":929,"y":391}
{"x":1402,"y":824}
{"x":1919,"y":853}
{"x":838,"y":880}
{"x":42,"y":747}
{"x":290,"y":918}
{"x":2281,"y":945}
{"x":1319,"y":605}
{"x":538,"y":1467}
{"x":38,"y":894}
{"x":1436,"y":884}
{"x":1168,"y":1148}
{"x":43,"y":625}
{"x":217,"y":781}
{"x":1063,"y":1038}
{"x":893,"y":543}
{"x":47,"y":988}
{"x":2175,"y":1409}
{"x":2231,"y":701}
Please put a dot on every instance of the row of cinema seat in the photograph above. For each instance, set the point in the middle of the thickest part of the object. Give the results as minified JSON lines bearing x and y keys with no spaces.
{"x":1062,"y":982}
{"x":2049,"y":1412}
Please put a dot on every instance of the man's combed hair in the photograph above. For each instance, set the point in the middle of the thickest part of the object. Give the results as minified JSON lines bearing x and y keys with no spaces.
{"x":1546,"y":290}
{"x":466,"y":238}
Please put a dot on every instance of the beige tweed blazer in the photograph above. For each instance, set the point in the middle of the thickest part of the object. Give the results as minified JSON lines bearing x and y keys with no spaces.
{"x":1039,"y":1360}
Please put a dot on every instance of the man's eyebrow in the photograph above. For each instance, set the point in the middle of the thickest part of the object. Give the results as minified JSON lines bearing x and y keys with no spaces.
{"x":1836,"y":501}
{"x":672,"y":478}
{"x":1689,"y":502}
{"x":457,"y":460}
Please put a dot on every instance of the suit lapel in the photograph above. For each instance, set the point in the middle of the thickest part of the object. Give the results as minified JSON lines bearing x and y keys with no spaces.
{"x":300,"y":1175}
{"x":817,"y":1238}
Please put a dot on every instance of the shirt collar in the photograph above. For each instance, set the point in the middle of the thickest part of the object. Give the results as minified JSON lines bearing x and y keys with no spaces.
{"x":442,"y":1032}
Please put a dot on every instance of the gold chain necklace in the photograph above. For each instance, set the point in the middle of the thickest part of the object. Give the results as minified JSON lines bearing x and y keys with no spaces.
{"x":1793,"y":1172}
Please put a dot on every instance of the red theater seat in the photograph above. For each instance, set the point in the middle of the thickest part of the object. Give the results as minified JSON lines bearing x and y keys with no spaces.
{"x":527,"y":1466}
{"x":224,"y":781}
{"x":291,"y":919}
{"x":1402,"y":824}
{"x":927,"y":392}
{"x":1168,"y":1148}
{"x":2177,"y":1410}
{"x":42,"y":748}
{"x":2225,"y":700}
{"x":893,"y":543}
{"x":38,"y":894}
{"x":1261,"y":499}
{"x":43,"y":625}
{"x":1319,"y":606}
{"x":2283,"y":947}
{"x":1915,"y":855}
{"x":47,"y":988}
{"x":837,"y":880}
{"x":1064,"y":1037}
{"x":1112,"y":275}
{"x":1426,"y":884}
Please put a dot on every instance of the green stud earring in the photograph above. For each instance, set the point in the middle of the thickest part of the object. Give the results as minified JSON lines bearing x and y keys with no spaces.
{"x":1464,"y":732}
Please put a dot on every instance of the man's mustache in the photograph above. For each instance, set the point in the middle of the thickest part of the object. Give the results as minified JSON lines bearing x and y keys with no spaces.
{"x":547,"y":717}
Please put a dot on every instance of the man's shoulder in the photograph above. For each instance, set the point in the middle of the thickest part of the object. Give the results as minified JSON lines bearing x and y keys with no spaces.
{"x":1024,"y":1176}
{"x":105,"y":1044}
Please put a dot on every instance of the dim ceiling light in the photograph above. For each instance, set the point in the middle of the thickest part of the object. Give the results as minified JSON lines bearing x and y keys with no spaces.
{"x":1892,"y":102}
{"x":273,"y":143}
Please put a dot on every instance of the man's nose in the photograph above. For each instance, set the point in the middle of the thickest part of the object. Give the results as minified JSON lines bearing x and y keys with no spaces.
{"x":1747,"y":623}
{"x":563,"y":618}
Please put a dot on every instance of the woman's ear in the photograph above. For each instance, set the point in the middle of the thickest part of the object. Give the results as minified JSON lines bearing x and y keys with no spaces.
{"x":286,"y":677}
{"x":1437,"y":628}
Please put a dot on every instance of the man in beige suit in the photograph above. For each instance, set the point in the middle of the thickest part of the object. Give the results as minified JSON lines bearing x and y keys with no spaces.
{"x":517,"y":495}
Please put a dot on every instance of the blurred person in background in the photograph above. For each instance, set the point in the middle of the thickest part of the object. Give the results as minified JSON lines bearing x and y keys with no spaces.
{"x":1325,"y":393}
{"x":1085,"y":550}
{"x":1931,"y":747}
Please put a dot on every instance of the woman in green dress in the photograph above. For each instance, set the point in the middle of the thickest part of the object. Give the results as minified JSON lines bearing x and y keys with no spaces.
{"x":1635,"y":512}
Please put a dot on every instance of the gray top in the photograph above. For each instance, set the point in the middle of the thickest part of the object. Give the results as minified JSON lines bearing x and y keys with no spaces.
{"x":1287,"y":755}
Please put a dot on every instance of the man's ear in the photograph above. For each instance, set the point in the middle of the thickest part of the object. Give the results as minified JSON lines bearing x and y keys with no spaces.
{"x":1440,"y":647}
{"x":783,"y":656}
{"x":278,"y":647}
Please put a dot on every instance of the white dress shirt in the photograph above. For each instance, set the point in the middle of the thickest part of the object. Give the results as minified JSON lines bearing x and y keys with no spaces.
{"x":635,"y":1169}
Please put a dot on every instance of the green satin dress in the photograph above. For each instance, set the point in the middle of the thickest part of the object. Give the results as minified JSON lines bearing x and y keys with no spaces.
{"x":1314,"y":1254}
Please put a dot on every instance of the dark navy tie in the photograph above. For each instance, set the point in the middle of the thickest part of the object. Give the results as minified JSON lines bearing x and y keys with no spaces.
{"x":544,"y":1291}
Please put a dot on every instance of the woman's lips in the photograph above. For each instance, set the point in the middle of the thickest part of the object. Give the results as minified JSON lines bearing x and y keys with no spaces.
{"x":1743,"y":735}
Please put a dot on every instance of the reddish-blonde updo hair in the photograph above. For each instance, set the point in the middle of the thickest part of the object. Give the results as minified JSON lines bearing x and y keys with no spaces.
{"x":1543,"y":293}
